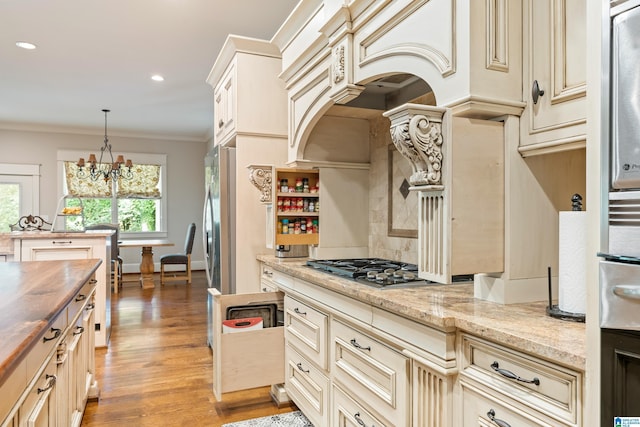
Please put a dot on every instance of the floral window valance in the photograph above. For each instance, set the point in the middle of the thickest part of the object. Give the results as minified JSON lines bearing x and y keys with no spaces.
{"x":143,"y":185}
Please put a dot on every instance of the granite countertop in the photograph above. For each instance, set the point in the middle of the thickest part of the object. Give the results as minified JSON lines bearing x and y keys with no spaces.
{"x":32,"y":294}
{"x":525,"y":326}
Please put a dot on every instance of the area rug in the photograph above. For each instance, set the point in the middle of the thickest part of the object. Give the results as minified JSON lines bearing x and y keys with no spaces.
{"x":290,"y":419}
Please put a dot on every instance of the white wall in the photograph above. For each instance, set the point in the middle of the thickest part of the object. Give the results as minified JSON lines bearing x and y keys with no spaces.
{"x":185,"y":178}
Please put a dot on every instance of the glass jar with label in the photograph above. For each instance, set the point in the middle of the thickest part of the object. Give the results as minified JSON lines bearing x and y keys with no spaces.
{"x":296,"y":226}
{"x":284,"y":185}
{"x":309,"y":226}
{"x":285,"y":226}
{"x":299,"y":185}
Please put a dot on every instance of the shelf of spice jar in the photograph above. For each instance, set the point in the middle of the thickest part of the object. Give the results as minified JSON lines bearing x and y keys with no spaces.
{"x":297,"y":213}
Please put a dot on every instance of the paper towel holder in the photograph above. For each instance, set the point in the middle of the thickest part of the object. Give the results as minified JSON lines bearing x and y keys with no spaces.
{"x":555,"y":312}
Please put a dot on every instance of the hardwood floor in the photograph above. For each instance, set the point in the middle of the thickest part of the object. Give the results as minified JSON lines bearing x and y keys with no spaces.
{"x":157,"y":370}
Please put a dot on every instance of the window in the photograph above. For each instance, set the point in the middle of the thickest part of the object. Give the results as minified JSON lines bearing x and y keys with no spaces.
{"x":137,"y":205}
{"x":19,"y":193}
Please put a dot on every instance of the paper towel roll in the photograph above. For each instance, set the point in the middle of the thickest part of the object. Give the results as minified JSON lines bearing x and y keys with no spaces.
{"x":572,"y":277}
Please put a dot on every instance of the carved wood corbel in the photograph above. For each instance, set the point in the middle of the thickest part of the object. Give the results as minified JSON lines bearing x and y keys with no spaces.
{"x":261,"y":178}
{"x":416,"y":132}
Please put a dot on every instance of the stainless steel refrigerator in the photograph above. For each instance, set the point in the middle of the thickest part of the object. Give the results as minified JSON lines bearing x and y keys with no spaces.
{"x":219,"y":223}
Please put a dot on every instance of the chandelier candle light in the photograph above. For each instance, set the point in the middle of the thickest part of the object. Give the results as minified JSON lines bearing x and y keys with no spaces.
{"x":106,"y":171}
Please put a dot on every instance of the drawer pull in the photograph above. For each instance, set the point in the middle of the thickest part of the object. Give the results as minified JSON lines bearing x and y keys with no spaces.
{"x":267,"y":273}
{"x":51,"y":381}
{"x":358,"y":346}
{"x":496,"y":367}
{"x":356,"y":416}
{"x":301,"y":313}
{"x":299,"y":365}
{"x":79,"y":330}
{"x":265,"y":290}
{"x":90,"y":306}
{"x":56,"y":334}
{"x":93,"y":281}
{"x":62,"y":242}
{"x":492,"y":416}
{"x":81,"y":297}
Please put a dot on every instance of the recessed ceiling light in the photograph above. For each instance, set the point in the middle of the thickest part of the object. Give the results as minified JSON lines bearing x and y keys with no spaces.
{"x":26,"y":45}
{"x":157,"y":78}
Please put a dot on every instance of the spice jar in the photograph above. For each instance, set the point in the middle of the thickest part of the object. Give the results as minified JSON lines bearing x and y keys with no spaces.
{"x":299,"y":204}
{"x":286,"y":205}
{"x":303,"y":226}
{"x":285,"y":226}
{"x":305,"y":185}
{"x":311,"y":207}
{"x":298,"y":185}
{"x":296,"y":226}
{"x":284,"y":185}
{"x":309,"y":226}
{"x":315,"y":226}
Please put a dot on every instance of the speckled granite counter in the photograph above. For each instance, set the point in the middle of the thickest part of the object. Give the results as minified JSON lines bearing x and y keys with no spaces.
{"x":31,"y":296}
{"x":522,"y":326}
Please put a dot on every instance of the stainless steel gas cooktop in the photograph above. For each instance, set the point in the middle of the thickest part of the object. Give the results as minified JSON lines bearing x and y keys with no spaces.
{"x":380,"y":273}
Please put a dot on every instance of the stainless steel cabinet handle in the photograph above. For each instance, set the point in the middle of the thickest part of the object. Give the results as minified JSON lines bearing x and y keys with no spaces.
{"x":358,"y":346}
{"x":496,"y":367}
{"x":301,"y":313}
{"x":56,"y":334}
{"x":299,"y":365}
{"x":627,"y":291}
{"x":492,"y":416}
{"x":536,"y":92}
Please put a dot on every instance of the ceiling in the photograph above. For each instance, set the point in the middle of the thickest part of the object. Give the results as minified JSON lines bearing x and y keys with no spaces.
{"x":95,"y":54}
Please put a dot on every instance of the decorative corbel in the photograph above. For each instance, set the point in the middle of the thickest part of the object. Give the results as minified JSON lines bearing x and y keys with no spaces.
{"x":416,"y":131}
{"x":260,"y":177}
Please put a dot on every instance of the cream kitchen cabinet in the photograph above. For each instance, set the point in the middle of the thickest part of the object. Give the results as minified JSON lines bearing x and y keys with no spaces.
{"x":554,"y":76}
{"x":51,"y":385}
{"x":67,"y":246}
{"x":249,"y":98}
{"x":515,"y":387}
{"x":245,"y":359}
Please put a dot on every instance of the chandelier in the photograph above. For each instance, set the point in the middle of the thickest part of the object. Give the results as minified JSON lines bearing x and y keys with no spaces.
{"x":107,"y":169}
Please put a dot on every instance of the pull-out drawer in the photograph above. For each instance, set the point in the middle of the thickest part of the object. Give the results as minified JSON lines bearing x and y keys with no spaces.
{"x":246,"y":359}
{"x":481,"y":409}
{"x":374,"y":372}
{"x":544,"y":386}
{"x":347,"y":412}
{"x":307,"y":386}
{"x":306,"y":330}
{"x":80,"y":300}
{"x":46,"y":344}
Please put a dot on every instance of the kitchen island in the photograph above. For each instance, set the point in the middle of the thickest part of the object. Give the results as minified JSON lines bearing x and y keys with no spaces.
{"x":467,"y":359}
{"x":47,"y":360}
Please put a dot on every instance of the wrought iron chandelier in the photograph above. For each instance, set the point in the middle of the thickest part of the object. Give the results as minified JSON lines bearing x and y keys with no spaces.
{"x":97,"y":169}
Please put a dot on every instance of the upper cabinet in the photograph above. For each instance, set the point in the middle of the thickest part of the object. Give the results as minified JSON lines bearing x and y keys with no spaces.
{"x":554,"y":85}
{"x":249,"y":97}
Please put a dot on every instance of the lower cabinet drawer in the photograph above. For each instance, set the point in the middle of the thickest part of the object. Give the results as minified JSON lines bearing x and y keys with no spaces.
{"x":480,"y":408}
{"x":347,"y":412}
{"x":372,"y":371}
{"x":247,"y":359}
{"x":544,"y":386}
{"x":307,"y":386}
{"x":306,"y":330}
{"x":46,"y":343}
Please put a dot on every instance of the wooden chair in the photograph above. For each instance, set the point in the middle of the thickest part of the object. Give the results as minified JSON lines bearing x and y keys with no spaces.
{"x":116,"y":260}
{"x":179,"y":259}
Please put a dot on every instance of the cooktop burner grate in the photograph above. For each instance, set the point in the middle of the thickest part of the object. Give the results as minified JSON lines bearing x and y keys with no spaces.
{"x":371,"y":271}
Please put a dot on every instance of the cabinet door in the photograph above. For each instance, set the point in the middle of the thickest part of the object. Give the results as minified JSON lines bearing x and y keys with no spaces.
{"x":246,"y":359}
{"x":39,"y":408}
{"x":75,"y":355}
{"x":480,"y":408}
{"x":347,"y":412}
{"x":307,"y":386}
{"x":374,"y":372}
{"x":557,"y":64}
{"x":224,"y":98}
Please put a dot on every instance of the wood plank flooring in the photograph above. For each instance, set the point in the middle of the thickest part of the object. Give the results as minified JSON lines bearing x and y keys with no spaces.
{"x":157,"y":370}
